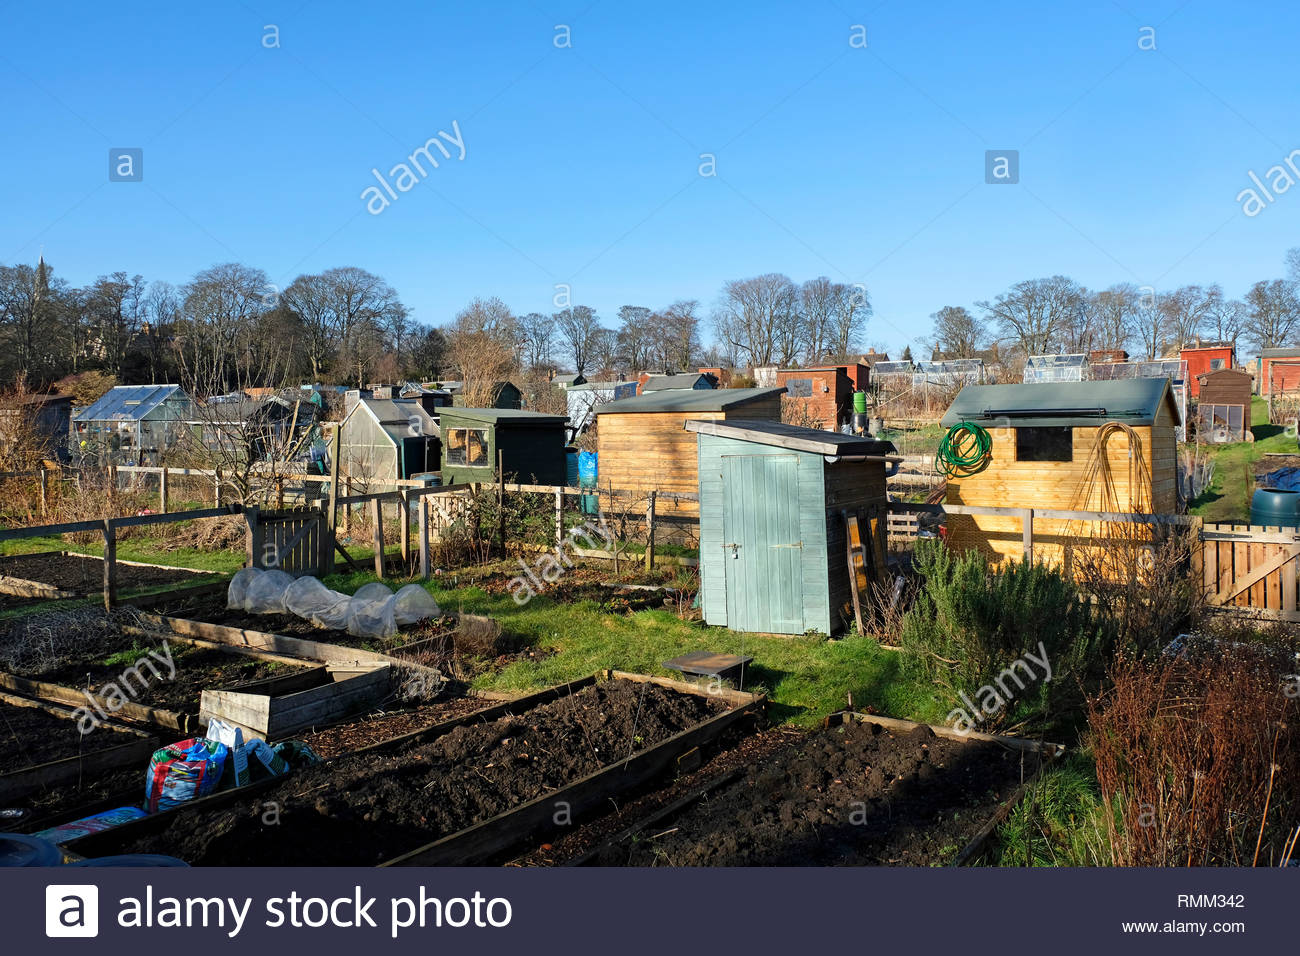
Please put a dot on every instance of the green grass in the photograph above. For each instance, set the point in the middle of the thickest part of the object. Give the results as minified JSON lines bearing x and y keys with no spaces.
{"x":1060,"y":822}
{"x":1227,"y":500}
{"x":806,"y":677}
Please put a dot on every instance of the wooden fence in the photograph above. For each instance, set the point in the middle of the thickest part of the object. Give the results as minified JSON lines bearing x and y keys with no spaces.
{"x":1241,"y":567}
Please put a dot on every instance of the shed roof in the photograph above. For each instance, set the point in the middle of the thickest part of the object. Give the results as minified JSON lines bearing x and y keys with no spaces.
{"x":498,"y":416}
{"x":1288,"y":352}
{"x":1133,"y":401}
{"x":659,"y":383}
{"x":1225,"y":373}
{"x":597,"y":386}
{"x":396,"y":416}
{"x":129,"y":402}
{"x":794,"y":437}
{"x":689,"y":400}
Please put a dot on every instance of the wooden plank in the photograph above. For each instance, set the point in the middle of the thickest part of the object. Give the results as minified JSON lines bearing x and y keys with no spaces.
{"x":857,"y":579}
{"x":1242,"y":586}
{"x":425,"y":558}
{"x":405,"y":534}
{"x":20,"y":784}
{"x":123,"y":710}
{"x":650,"y":533}
{"x":1288,"y":602}
{"x":1241,"y":571}
{"x":110,"y":564}
{"x":1027,"y":533}
{"x":377,"y":539}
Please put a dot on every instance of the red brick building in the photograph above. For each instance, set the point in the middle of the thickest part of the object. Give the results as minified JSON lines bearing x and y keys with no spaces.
{"x":1206,"y":357}
{"x":826,"y":392}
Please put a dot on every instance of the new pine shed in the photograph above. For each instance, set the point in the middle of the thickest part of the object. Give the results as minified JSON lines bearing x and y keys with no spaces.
{"x":530,"y":445}
{"x":643,"y":446}
{"x":1053,"y":447}
{"x":773,"y":498}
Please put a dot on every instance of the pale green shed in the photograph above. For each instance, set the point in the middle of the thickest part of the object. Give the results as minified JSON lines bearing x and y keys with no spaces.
{"x":772,"y":503}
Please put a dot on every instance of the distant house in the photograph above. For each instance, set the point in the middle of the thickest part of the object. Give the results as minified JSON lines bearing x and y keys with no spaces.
{"x":1107,"y":356}
{"x":267,"y":426}
{"x":1223,"y":413}
{"x":431,"y":399}
{"x":44,"y":418}
{"x":699,"y":381}
{"x":132,"y":424}
{"x":1206,"y":357}
{"x":385,"y":437}
{"x":568,"y":380}
{"x":721,"y":375}
{"x":1279,"y":371}
{"x":529,"y":446}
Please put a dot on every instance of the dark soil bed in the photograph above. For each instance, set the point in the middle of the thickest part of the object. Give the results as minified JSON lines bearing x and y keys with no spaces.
{"x":852,"y":795}
{"x":30,"y":736}
{"x":367,"y":808}
{"x":384,"y":725}
{"x":85,"y":575}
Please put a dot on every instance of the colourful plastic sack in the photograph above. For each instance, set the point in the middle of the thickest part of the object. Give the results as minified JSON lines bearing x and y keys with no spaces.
{"x":184,"y":771}
{"x":92,"y":824}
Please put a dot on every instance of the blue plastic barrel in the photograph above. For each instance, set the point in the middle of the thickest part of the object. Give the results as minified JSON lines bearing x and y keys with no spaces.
{"x":19,"y":849}
{"x":571,"y":467}
{"x":587,"y":478}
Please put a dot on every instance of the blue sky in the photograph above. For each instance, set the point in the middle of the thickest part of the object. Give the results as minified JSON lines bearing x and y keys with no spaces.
{"x":866,"y":165}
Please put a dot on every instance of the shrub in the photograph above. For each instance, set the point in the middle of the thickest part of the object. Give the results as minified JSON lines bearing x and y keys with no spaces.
{"x":971,"y":623}
{"x":1198,"y":756}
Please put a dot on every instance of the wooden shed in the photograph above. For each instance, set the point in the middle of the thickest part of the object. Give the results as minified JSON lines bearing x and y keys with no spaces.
{"x":643,"y":447}
{"x":819,"y":397}
{"x":1223,"y":413}
{"x":773,"y":501}
{"x":530,"y":446}
{"x":1053,"y":447}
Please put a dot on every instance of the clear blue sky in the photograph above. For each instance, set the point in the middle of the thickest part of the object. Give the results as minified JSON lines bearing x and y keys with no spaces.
{"x":581,"y":163}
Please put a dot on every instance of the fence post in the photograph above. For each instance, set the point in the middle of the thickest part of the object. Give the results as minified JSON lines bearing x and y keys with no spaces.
{"x":650,"y":533}
{"x":347,"y":509}
{"x":162,"y":490}
{"x":45,"y":491}
{"x":424,"y":536}
{"x":1027,"y":536}
{"x":559,"y":517}
{"x":255,"y":537}
{"x":279,"y":493}
{"x":110,"y":564}
{"x":216,"y":490}
{"x":405,"y":505}
{"x":377,"y":516}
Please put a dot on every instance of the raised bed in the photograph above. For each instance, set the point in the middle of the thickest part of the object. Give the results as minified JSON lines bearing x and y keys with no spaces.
{"x":463,"y":792}
{"x":864,"y":790}
{"x":279,"y":707}
{"x":50,"y":575}
{"x":167,"y":704}
{"x":63,"y":754}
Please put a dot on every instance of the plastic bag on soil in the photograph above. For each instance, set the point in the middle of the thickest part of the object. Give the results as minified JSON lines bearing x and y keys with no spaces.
{"x":370,"y":612}
{"x":266,"y":594}
{"x":237,"y":593}
{"x":412,"y":604}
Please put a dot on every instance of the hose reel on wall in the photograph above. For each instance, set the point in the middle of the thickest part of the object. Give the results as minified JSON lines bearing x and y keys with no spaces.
{"x":965,"y":450}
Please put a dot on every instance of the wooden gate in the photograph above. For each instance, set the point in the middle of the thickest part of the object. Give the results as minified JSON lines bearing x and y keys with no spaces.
{"x":297,"y":541}
{"x":1251,"y":566}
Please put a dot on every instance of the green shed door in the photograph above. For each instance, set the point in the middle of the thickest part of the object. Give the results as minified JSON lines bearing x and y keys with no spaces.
{"x":762,"y":551}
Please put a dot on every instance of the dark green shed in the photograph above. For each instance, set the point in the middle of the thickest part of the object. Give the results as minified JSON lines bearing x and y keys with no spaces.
{"x":531,"y":445}
{"x":772,"y":504}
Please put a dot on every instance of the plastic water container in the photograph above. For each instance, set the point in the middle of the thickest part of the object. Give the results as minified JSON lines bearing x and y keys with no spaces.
{"x":1271,"y":506}
{"x":860,"y":402}
{"x":571,"y":467}
{"x":587,"y":478}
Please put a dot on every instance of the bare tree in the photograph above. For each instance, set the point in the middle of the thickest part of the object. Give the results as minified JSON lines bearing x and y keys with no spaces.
{"x":1035,"y":312}
{"x":757,"y":316}
{"x":1186,"y":311}
{"x":115,"y":311}
{"x":679,"y":334}
{"x":1114,"y":311}
{"x":1273,"y":313}
{"x":344,"y":312}
{"x":819,"y":300}
{"x":635,"y":336}
{"x":578,"y":329}
{"x":1225,"y":318}
{"x":1149,"y":321}
{"x":218,"y":342}
{"x":958,"y":333}
{"x":849,"y":319}
{"x":537,"y":333}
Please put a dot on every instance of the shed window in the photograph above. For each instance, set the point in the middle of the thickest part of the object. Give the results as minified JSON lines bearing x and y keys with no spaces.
{"x":1216,"y":364}
{"x":467,"y":447}
{"x":798,"y":387}
{"x":1045,"y":444}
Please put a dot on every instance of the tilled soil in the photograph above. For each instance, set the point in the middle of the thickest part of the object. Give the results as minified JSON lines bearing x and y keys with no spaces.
{"x":853,"y":795}
{"x":30,"y":736}
{"x":367,"y":808}
{"x":197,"y":669}
{"x":371,"y":729}
{"x":86,"y":575}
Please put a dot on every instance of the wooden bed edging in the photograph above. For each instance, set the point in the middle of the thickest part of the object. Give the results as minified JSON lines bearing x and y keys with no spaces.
{"x":110,"y":841}
{"x":478,"y":844}
{"x":127,"y":710}
{"x":21,"y":783}
{"x":1049,"y":752}
{"x":22,"y":587}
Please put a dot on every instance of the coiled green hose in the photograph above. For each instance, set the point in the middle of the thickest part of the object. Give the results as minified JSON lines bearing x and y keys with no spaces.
{"x":964,"y":451}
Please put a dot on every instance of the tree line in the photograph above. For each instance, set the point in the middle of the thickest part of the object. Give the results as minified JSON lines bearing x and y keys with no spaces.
{"x":229,"y":328}
{"x":1058,"y":315}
